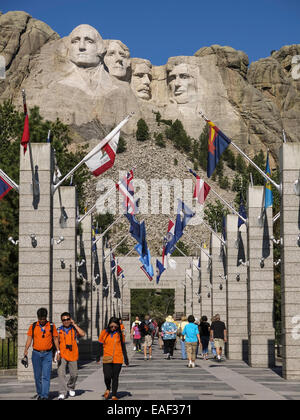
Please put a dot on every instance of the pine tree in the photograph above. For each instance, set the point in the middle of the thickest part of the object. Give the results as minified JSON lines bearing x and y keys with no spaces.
{"x":142,"y":133}
{"x":203,"y":147}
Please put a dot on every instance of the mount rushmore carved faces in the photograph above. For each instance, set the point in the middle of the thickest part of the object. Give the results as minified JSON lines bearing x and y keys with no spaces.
{"x":141,"y":78}
{"x":182,"y":83}
{"x":117,"y":59}
{"x":86,"y":46}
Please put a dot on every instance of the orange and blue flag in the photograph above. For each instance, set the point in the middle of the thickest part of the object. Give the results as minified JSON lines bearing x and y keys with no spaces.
{"x":268,"y":187}
{"x":217,"y":144}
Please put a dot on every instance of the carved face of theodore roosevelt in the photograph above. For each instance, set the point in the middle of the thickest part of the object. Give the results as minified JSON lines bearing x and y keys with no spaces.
{"x":86,"y":46}
{"x":141,"y":79}
{"x":181,"y":84}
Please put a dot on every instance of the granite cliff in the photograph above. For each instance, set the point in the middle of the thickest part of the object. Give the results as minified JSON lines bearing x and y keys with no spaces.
{"x":91,"y":84}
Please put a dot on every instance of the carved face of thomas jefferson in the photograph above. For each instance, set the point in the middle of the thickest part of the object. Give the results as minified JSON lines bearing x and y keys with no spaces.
{"x":182,"y":84}
{"x":86,"y":46}
{"x":117,"y":59}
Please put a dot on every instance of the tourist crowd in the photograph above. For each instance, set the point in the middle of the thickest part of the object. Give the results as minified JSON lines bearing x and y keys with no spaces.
{"x":60,"y":345}
{"x":189,"y":332}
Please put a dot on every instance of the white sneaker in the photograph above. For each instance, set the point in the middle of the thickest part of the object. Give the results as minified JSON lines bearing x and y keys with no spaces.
{"x":193,"y":364}
{"x":72,"y":393}
{"x":61,"y":397}
{"x":134,"y":348}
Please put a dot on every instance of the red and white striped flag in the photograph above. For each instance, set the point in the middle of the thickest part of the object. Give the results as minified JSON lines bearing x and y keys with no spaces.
{"x":201,"y":190}
{"x":126,"y":189}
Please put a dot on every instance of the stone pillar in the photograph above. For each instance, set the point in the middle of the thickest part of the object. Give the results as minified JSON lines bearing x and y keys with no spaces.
{"x":179,"y":284}
{"x":261,"y":283}
{"x":196,"y":282}
{"x":84,"y":298}
{"x":35,"y":269}
{"x":218,"y":279}
{"x":64,"y":253}
{"x":107,"y":300}
{"x":237,"y":313}
{"x":125,"y":301}
{"x":189,"y":291}
{"x":97,"y":294}
{"x":206,"y":290}
{"x":290,"y":265}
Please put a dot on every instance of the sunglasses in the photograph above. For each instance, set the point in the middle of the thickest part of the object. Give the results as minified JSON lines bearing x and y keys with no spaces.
{"x":66,"y":319}
{"x":113,"y":326}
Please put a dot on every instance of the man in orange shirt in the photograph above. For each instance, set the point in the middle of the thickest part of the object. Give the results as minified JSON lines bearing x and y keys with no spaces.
{"x":68,"y":334}
{"x":43,"y":334}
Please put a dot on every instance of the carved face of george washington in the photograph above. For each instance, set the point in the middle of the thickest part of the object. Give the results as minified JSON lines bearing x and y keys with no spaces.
{"x":86,"y":46}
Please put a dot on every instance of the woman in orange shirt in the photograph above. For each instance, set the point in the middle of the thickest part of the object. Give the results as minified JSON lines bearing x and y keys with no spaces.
{"x":113,"y":353}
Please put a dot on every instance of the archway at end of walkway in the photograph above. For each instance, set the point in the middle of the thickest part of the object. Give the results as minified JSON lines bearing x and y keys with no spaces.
{"x":158,"y":303}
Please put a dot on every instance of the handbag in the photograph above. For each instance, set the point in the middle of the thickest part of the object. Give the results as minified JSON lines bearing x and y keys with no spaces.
{"x":109,"y":359}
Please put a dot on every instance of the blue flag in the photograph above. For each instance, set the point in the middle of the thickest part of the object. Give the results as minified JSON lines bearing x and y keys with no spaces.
{"x":224,"y":228}
{"x":159,"y":270}
{"x":135,"y":227}
{"x":4,"y":187}
{"x":184,"y":214}
{"x":242,"y":212}
{"x":268,"y":188}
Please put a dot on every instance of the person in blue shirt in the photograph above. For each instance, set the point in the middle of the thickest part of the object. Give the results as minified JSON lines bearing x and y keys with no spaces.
{"x":192,"y":338}
{"x":169,"y":329}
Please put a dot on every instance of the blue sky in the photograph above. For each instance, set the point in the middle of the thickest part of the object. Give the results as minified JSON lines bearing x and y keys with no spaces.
{"x":160,"y":29}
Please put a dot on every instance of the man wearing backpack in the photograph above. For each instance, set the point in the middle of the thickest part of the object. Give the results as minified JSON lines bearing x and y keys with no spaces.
{"x":42,"y":334}
{"x":146,"y":328}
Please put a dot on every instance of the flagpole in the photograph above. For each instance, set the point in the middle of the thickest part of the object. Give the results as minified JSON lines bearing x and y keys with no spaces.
{"x":199,"y":246}
{"x":109,"y":227}
{"x":29,"y":146}
{"x":278,"y":187}
{"x":213,"y":232}
{"x":94,"y":151}
{"x":95,"y":205}
{"x":9,"y":180}
{"x":112,"y":250}
{"x":229,"y":206}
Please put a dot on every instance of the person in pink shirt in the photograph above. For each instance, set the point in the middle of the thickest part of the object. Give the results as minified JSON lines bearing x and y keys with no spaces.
{"x":136,"y":335}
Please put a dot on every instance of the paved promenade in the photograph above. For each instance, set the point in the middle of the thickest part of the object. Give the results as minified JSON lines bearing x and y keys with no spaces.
{"x":161,"y":379}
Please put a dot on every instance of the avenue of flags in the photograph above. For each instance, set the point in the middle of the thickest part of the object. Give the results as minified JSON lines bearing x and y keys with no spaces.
{"x":102,"y":157}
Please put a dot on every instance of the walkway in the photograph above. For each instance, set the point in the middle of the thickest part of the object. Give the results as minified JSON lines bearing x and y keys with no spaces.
{"x":161,"y":379}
